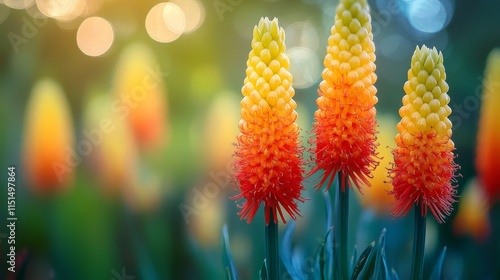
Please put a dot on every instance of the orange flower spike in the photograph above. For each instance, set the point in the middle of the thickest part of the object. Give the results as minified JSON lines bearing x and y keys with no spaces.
{"x":268,"y":157}
{"x":473,"y":217}
{"x":488,"y":146}
{"x":141,"y":96}
{"x":423,"y":159}
{"x":345,"y":126}
{"x":48,"y":139}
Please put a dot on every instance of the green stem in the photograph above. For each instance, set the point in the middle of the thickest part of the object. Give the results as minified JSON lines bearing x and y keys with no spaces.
{"x":417,"y":267}
{"x":341,"y":226}
{"x":272,"y":257}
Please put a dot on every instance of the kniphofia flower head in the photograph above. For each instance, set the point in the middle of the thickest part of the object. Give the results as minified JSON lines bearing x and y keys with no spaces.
{"x":48,"y":153}
{"x":345,"y":126}
{"x":424,"y":164}
{"x":268,"y":157}
{"x":488,"y":137}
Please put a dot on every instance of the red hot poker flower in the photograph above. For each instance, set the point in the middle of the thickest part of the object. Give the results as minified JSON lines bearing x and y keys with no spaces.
{"x":268,"y":157}
{"x":345,"y":127}
{"x":423,"y":159}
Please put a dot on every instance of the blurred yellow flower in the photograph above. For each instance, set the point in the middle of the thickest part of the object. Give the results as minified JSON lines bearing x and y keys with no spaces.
{"x":473,"y":216}
{"x":140,"y":92}
{"x":220,"y":129}
{"x":114,"y":158}
{"x":376,"y":196}
{"x":47,"y":153}
{"x":488,"y":137}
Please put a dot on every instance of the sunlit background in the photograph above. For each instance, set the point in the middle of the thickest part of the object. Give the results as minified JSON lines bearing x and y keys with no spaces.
{"x":134,"y":106}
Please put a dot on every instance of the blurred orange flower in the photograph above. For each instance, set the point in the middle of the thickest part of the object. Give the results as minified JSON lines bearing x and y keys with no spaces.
{"x":140,"y":90}
{"x":423,"y":159}
{"x":488,"y":137}
{"x":268,"y":156}
{"x":472,"y":217}
{"x":377,"y":196}
{"x":47,"y":153}
{"x":345,"y":126}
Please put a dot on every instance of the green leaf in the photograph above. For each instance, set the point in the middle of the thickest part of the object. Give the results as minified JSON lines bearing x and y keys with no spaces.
{"x":263,"y":271}
{"x":364,"y":267}
{"x":380,"y":267}
{"x":436,"y":272}
{"x":353,"y":259}
{"x":227,"y":259}
{"x":286,"y":250}
{"x":322,"y":255}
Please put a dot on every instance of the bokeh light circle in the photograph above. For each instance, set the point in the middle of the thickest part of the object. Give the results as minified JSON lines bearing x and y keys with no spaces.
{"x":305,"y":66}
{"x":165,"y":22}
{"x":194,"y":13}
{"x":94,"y":36}
{"x":427,"y":16}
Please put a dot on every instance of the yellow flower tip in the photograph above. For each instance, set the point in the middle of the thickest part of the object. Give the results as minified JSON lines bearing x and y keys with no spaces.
{"x":487,"y":149}
{"x":345,"y":126}
{"x":269,"y":163}
{"x":48,"y":139}
{"x":424,"y":160}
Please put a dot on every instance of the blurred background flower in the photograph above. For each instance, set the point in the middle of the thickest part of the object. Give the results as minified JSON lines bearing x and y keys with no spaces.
{"x":377,"y":196}
{"x":487,"y":149}
{"x":49,"y":154}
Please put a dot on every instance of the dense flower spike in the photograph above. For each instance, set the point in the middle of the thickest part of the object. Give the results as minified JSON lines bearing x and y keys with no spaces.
{"x":345,"y":127}
{"x":488,"y":145}
{"x":268,"y":157}
{"x":423,"y":159}
{"x":48,"y":139}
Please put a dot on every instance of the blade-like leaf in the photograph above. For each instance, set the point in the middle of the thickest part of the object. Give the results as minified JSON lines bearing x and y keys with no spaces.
{"x":227,"y":259}
{"x":328,"y":208}
{"x":436,"y":272}
{"x":379,"y":271}
{"x":329,"y":221}
{"x":394,"y":275}
{"x":322,"y":255}
{"x":263,"y":271}
{"x":353,"y":259}
{"x":286,"y":250}
{"x":365,"y":261}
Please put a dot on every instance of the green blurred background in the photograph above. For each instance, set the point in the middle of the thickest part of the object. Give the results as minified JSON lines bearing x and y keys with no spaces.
{"x":167,"y":223}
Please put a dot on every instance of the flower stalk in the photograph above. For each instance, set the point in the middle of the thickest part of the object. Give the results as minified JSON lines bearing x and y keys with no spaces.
{"x":417,"y":267}
{"x":341,"y":228}
{"x":272,"y":255}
